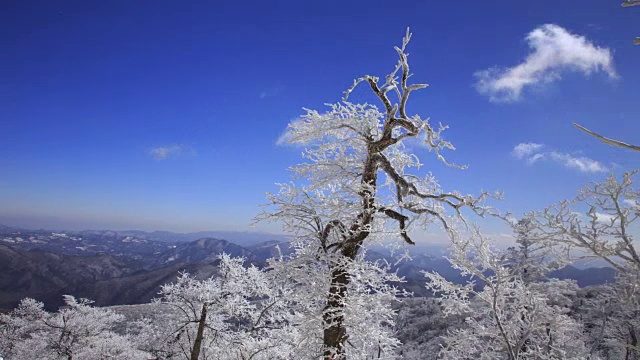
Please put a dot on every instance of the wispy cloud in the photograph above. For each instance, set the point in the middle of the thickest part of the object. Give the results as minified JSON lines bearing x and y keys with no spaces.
{"x":164,"y":152}
{"x":553,"y":51}
{"x":533,"y":152}
{"x":272,"y":91}
{"x":525,"y":149}
{"x":583,"y":164}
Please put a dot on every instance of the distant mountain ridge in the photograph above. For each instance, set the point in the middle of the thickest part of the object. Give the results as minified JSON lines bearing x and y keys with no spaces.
{"x":245,"y":238}
{"x":107,"y":267}
{"x":137,"y":245}
{"x":202,"y":251}
{"x":585,"y":277}
{"x":106,"y":279}
{"x":47,"y":276}
{"x":113,"y":268}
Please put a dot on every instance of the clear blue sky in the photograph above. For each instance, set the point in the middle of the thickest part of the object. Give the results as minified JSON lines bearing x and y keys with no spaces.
{"x":165,"y":114}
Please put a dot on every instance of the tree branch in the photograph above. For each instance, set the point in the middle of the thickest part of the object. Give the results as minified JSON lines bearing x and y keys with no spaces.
{"x":607,"y":140}
{"x":401,"y":219}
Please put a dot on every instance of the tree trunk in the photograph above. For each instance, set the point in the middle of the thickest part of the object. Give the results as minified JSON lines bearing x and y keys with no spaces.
{"x":197,"y":344}
{"x":335,"y":333}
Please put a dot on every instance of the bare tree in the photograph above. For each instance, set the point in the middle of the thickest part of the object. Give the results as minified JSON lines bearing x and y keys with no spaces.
{"x":599,"y":223}
{"x":356,"y":184}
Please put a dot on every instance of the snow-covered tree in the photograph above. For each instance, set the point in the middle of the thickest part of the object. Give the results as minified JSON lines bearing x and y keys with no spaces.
{"x":360,"y":183}
{"x":77,"y":331}
{"x":16,"y":326}
{"x":367,"y":311}
{"x":533,"y":256}
{"x":509,"y":318}
{"x":421,"y":326}
{"x":621,"y":330}
{"x":611,"y":315}
{"x":599,"y":223}
{"x":239,"y":314}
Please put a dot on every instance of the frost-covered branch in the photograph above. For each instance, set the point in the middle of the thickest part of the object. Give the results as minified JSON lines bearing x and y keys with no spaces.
{"x":607,"y":140}
{"x":600,"y":222}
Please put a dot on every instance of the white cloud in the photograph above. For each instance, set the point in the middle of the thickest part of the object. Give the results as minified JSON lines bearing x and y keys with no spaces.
{"x":530,"y":152}
{"x":553,"y":50}
{"x":164,"y":152}
{"x":525,"y":149}
{"x":583,"y":164}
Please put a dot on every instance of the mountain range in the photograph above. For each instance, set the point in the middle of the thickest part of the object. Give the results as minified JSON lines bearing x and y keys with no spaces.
{"x":119,"y":268}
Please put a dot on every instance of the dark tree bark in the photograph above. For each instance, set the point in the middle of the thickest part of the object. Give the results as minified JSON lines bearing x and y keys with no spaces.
{"x":197,"y":344}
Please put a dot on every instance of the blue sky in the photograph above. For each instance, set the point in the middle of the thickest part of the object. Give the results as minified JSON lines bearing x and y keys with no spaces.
{"x":164,"y":115}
